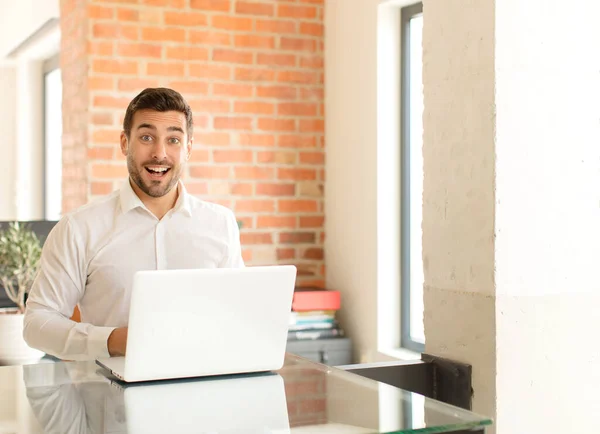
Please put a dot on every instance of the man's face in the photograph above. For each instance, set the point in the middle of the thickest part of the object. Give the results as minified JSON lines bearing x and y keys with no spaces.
{"x":156,"y":150}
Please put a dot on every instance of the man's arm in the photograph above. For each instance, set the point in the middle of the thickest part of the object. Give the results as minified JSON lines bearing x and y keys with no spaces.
{"x":57,"y":289}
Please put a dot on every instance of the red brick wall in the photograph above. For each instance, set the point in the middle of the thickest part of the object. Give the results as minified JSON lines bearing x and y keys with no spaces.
{"x":253,"y":74}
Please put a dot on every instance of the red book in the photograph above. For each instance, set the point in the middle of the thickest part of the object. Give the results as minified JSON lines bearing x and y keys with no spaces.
{"x":307,"y":300}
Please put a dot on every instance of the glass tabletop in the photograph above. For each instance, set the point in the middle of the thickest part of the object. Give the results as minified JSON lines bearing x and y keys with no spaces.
{"x":302,"y":397}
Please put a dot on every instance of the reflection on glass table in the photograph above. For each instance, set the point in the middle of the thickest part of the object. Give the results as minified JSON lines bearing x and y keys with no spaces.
{"x":302,"y":397}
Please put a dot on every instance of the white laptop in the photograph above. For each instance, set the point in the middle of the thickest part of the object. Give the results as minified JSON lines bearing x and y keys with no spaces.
{"x":254,"y":403}
{"x":205,"y":322}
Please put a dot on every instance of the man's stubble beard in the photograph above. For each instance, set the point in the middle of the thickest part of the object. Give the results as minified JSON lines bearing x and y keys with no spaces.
{"x":136,"y":177}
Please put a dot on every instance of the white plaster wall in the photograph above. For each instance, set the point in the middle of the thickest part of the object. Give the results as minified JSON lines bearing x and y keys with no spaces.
{"x":19,"y":19}
{"x":8,"y":142}
{"x":362,"y":190}
{"x":547,"y":218}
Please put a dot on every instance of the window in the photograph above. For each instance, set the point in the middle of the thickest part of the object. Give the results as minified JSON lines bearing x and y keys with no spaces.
{"x":413,"y":334}
{"x":52,"y":140}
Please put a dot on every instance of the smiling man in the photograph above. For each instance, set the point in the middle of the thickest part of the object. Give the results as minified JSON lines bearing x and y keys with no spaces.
{"x":151,"y":223}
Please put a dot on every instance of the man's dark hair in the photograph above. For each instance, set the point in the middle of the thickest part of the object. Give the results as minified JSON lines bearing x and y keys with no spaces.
{"x":160,"y":99}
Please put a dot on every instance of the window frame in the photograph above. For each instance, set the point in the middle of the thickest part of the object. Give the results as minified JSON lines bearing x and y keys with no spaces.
{"x":406,"y":14}
{"x":49,"y":65}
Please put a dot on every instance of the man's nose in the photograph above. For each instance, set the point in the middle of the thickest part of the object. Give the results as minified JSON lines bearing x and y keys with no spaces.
{"x":159,"y":151}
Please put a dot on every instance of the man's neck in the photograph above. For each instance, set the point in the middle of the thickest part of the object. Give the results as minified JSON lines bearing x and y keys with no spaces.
{"x":158,"y":206}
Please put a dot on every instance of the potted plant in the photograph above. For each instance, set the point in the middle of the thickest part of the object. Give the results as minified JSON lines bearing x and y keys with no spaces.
{"x":20,"y":252}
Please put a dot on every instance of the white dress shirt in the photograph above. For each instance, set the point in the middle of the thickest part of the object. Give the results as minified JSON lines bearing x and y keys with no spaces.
{"x":91,"y":255}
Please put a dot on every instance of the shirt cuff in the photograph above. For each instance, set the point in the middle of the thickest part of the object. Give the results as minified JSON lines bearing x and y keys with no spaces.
{"x":97,"y":341}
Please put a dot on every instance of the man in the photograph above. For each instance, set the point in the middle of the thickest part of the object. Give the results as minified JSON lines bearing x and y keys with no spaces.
{"x":90,"y":257}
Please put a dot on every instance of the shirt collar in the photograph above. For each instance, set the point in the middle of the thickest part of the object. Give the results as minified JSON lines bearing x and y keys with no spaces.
{"x":130,"y":200}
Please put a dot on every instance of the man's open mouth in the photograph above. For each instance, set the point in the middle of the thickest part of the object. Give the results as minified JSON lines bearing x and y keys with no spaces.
{"x":157,"y":171}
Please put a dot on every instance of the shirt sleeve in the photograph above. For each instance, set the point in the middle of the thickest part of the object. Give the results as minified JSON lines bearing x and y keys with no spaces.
{"x":57,"y":289}
{"x":233,"y":257}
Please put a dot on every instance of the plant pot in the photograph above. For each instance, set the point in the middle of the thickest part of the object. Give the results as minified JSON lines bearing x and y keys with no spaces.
{"x":13,"y":348}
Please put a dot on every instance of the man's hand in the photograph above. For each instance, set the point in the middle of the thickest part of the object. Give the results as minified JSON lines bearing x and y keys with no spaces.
{"x":117,"y":342}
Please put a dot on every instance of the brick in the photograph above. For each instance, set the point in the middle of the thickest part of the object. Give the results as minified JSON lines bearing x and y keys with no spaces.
{"x":273,"y":221}
{"x":139,"y":50}
{"x":232,"y":156}
{"x":255,"y":205}
{"x":282,"y":255}
{"x":101,"y":188}
{"x":200,"y":156}
{"x":209,"y":37}
{"x":226,"y":22}
{"x":275,"y":189}
{"x":279,"y":92}
{"x":97,"y":12}
{"x":108,"y":171}
{"x":190,"y":19}
{"x":210,"y":106}
{"x":101,"y":83}
{"x":312,"y":158}
{"x":242,"y":189}
{"x":297,"y":237}
{"x":166,"y":69}
{"x":190,"y":87}
{"x":296,"y":12}
{"x":136,"y":84}
{"x":313,"y":62}
{"x":196,"y":188}
{"x":253,"y":8}
{"x":276,"y":26}
{"x":276,"y":157}
{"x":254,"y":74}
{"x":276,"y":124}
{"x":100,"y":48}
{"x":300,"y":77}
{"x":209,"y":172}
{"x":260,"y":140}
{"x":316,"y":253}
{"x":211,"y":5}
{"x":312,"y":221}
{"x":206,"y":70}
{"x":264,"y":108}
{"x":232,"y":123}
{"x":102,"y":119}
{"x":255,"y":237}
{"x":111,"y":102}
{"x":276,"y":59}
{"x":232,"y":56}
{"x":247,"y":255}
{"x":312,"y":94}
{"x":297,"y":174}
{"x":187,"y":53}
{"x":299,"y":44}
{"x":297,"y":141}
{"x":127,"y":14}
{"x":100,"y":153}
{"x":106,"y":136}
{"x":310,"y":189}
{"x":105,"y":30}
{"x":254,"y":41}
{"x":297,"y":205}
{"x":297,"y":109}
{"x":212,"y":139}
{"x":177,"y":4}
{"x":151,"y":16}
{"x":312,"y":29}
{"x":232,"y":89}
{"x":163,"y":34}
{"x":253,"y":172}
{"x":312,"y":125}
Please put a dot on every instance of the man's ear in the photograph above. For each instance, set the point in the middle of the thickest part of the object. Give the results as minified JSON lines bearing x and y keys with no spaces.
{"x":189,"y":149}
{"x":123,"y":143}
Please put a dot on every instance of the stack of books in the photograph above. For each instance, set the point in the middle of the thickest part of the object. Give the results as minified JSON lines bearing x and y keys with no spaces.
{"x":313,"y":315}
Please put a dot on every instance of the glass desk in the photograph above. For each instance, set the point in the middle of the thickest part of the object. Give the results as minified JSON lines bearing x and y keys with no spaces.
{"x":302,"y":397}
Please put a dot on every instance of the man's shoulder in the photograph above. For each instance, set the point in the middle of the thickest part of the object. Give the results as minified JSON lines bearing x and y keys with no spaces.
{"x":93,"y":210}
{"x":203,"y":208}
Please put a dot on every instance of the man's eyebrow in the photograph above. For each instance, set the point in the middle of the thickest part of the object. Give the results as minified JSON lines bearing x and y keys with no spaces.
{"x":150,"y":126}
{"x":176,"y":129}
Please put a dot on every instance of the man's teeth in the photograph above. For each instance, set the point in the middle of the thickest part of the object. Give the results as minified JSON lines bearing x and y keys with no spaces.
{"x":157,"y":169}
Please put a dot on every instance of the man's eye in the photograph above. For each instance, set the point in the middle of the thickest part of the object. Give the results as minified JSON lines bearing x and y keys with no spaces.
{"x":174,"y":140}
{"x":146,"y":138}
